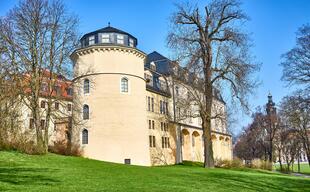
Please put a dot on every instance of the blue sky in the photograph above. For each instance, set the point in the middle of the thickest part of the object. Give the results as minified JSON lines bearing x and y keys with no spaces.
{"x":273,"y":25}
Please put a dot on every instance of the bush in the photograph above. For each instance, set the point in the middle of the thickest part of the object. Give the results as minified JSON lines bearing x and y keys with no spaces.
{"x":235,"y":163}
{"x":20,"y":143}
{"x":63,"y":148}
{"x":261,"y":164}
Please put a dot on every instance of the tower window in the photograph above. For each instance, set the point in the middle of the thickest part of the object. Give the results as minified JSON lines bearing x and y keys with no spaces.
{"x":86,"y":86}
{"x":105,"y":38}
{"x":91,"y":40}
{"x":124,"y":85}
{"x":131,"y":42}
{"x":84,"y":136}
{"x":85,"y":112}
{"x":120,"y":39}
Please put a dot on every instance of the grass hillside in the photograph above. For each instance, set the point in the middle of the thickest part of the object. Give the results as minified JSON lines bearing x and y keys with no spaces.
{"x":304,"y":168}
{"x":20,"y":172}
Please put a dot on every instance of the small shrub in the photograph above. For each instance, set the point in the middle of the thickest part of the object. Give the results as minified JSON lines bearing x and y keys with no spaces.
{"x":225,"y":163}
{"x":63,"y":148}
{"x":261,"y":164}
{"x":237,"y":163}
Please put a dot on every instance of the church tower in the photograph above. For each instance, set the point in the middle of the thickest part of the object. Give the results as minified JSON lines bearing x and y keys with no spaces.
{"x":270,"y":106}
{"x":110,"y":71}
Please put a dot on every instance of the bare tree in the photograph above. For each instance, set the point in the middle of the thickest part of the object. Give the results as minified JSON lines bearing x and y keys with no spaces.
{"x":296,"y":64}
{"x":211,"y":45}
{"x":271,"y":126}
{"x":253,"y":142}
{"x":38,"y":37}
{"x":295,"y":109}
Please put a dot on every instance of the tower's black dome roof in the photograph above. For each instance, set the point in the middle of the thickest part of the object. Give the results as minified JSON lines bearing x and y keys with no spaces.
{"x":108,"y":30}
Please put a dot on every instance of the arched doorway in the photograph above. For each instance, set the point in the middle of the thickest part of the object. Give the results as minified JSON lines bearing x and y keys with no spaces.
{"x":186,"y":148}
{"x":196,"y":146}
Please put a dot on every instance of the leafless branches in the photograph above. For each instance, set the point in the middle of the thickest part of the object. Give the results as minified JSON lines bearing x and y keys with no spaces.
{"x":212,"y":46}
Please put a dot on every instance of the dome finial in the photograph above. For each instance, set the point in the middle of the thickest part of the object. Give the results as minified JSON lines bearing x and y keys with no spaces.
{"x":109,"y":23}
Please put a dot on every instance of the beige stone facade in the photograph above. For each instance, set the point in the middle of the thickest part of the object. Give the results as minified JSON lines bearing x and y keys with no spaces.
{"x":125,"y":117}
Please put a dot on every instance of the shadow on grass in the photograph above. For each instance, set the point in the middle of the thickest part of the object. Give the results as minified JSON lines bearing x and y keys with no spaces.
{"x":27,"y":176}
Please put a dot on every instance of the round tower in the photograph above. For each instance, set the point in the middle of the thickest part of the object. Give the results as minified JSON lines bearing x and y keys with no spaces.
{"x":110,"y":91}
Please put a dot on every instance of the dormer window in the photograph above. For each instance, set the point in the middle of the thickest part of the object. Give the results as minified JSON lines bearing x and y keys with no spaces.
{"x":105,"y":38}
{"x":153,"y":66}
{"x":131,"y":42}
{"x":120,"y":39}
{"x":149,"y":79}
{"x":91,"y":40}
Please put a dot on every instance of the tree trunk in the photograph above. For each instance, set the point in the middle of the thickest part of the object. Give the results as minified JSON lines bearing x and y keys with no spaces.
{"x":208,"y":151}
{"x":298,"y":161}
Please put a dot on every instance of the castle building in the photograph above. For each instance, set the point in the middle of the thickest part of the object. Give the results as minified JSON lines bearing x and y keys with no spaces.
{"x":129,"y":112}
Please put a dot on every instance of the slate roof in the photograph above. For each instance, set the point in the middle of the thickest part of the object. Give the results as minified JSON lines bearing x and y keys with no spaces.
{"x":164,"y":66}
{"x":109,"y":29}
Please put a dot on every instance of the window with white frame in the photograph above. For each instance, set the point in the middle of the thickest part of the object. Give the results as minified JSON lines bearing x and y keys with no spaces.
{"x":86,"y":86}
{"x":85,"y":112}
{"x":91,"y":40}
{"x":105,"y":38}
{"x":84,"y":136}
{"x":124,"y":85}
{"x":120,"y":39}
{"x":131,"y":42}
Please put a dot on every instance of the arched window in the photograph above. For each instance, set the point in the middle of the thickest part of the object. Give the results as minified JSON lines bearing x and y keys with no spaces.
{"x":84,"y":136}
{"x":85,"y":112}
{"x":86,"y":86}
{"x":124,"y":85}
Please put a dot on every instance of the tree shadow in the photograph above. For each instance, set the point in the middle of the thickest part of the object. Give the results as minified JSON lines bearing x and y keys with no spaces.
{"x":27,"y":176}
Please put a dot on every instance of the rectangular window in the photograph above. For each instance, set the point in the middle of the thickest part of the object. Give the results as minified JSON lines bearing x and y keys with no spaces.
{"x":152,"y":141}
{"x":148,"y":104}
{"x":161,"y":106}
{"x":152,"y":104}
{"x":31,"y":123}
{"x":105,"y":38}
{"x":166,"y":104}
{"x":42,"y":123}
{"x":153,"y":124}
{"x":150,"y":126}
{"x":44,"y":87}
{"x":57,"y":90}
{"x":120,"y":39}
{"x":131,"y":42}
{"x":69,"y":91}
{"x":91,"y":40}
{"x":56,"y":105}
{"x":43,"y":104}
{"x":69,"y":107}
{"x":163,"y":142}
{"x":162,"y":126}
{"x":164,"y":107}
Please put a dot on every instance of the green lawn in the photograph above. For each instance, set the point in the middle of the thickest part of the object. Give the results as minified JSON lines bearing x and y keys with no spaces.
{"x":304,"y":168}
{"x":19,"y":172}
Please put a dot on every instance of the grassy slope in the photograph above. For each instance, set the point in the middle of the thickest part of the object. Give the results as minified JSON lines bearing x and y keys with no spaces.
{"x":304,"y":168}
{"x":19,"y":172}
